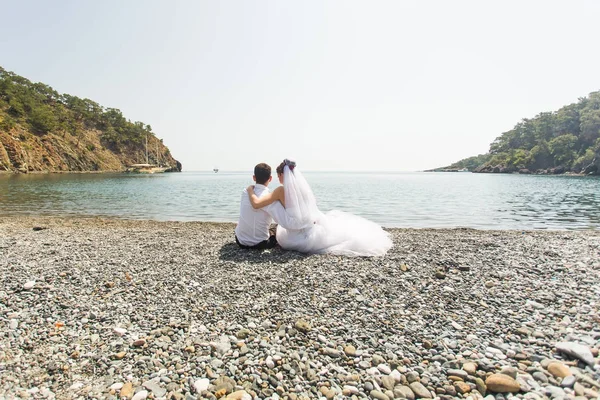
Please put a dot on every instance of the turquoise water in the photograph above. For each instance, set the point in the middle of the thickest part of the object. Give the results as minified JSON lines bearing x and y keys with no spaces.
{"x":419,"y":200}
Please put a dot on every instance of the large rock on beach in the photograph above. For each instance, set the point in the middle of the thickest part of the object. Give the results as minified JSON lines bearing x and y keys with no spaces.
{"x":420,"y":391}
{"x":558,"y":369}
{"x":576,"y":350}
{"x":501,"y":383}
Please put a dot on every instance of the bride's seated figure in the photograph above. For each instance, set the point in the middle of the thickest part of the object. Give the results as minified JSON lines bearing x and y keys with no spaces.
{"x":334,"y":232}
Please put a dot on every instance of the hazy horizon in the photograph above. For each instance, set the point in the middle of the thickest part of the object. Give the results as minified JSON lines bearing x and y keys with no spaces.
{"x":340,"y":85}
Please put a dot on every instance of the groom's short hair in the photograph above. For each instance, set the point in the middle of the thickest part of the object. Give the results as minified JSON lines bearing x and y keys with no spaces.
{"x":262,"y":173}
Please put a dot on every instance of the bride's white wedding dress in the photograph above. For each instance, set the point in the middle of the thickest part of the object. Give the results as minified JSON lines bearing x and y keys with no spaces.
{"x":335,"y":232}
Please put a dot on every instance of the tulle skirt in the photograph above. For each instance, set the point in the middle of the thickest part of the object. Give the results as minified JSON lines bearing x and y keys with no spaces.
{"x":337,"y":232}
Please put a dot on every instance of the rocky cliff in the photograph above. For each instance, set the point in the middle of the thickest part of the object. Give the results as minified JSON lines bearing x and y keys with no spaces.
{"x":44,"y":131}
{"x":23,"y":151}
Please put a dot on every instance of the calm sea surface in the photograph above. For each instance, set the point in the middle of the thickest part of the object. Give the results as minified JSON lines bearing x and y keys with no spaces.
{"x":421,"y":200}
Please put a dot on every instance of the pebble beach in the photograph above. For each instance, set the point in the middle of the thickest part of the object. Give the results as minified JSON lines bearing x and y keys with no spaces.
{"x":118,"y":309}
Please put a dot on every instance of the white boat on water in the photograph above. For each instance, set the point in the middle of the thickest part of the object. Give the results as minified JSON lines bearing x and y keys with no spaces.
{"x":147,"y":168}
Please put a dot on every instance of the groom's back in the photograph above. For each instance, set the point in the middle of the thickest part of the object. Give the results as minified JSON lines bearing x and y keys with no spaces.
{"x":253,"y":225}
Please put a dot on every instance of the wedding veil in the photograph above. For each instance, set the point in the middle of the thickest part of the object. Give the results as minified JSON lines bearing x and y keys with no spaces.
{"x":334,"y":232}
{"x":300,"y":202}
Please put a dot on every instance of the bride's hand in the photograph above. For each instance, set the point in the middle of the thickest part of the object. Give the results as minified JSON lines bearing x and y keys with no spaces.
{"x":250,"y":189}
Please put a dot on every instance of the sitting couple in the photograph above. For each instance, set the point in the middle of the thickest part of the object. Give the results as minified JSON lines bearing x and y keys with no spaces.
{"x":301,"y":226}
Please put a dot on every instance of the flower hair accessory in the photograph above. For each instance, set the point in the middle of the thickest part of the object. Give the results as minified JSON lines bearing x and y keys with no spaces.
{"x":291,"y":164}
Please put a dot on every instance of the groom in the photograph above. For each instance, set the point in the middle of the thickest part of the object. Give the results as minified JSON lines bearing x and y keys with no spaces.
{"x":252,"y":230}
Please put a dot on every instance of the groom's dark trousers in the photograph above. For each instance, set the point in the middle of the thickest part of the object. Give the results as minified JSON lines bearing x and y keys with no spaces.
{"x":265,"y":244}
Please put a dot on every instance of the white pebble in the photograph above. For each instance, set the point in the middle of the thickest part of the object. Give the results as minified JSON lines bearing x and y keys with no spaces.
{"x":201,"y":385}
{"x":141,"y":395}
{"x":120,"y":331}
{"x":28,"y":285}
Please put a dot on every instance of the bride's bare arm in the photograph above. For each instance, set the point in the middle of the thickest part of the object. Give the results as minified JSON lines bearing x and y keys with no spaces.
{"x":266,"y":199}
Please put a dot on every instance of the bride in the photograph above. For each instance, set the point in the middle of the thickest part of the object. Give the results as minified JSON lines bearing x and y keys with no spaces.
{"x":335,"y":232}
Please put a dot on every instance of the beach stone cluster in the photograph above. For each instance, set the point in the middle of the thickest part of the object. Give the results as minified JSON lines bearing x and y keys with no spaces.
{"x":112,"y":309}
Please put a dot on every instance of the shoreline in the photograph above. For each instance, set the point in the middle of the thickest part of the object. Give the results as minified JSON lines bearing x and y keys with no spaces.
{"x":391,"y":229}
{"x":440,"y":315}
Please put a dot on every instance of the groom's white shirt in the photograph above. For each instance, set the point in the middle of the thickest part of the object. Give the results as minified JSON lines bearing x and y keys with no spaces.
{"x":253,"y":226}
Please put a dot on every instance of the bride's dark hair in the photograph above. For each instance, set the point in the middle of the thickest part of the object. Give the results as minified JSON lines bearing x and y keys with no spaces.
{"x":291,"y":164}
{"x":279,"y":169}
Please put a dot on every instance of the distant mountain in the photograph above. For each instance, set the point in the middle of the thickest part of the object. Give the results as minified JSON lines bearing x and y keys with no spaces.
{"x":42,"y":130}
{"x":564,"y":141}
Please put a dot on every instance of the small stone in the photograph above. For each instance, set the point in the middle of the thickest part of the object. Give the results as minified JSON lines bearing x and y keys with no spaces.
{"x":384,"y":369}
{"x":568,"y":381}
{"x":396,"y":375}
{"x":579,"y":389}
{"x":523,"y":331}
{"x":126,"y":391}
{"x":120,"y":331}
{"x":404,"y":392}
{"x":420,"y":391}
{"x":501,"y":383}
{"x":427,"y":344}
{"x":470,"y":368}
{"x":591,"y":394}
{"x":576,"y":350}
{"x":120,"y":355}
{"x":243,"y":333}
{"x":450,"y":390}
{"x":489,"y":284}
{"x":239,"y":395}
{"x":558,"y":369}
{"x":139,"y":342}
{"x":440,"y":275}
{"x":376,"y":394}
{"x":462,"y":387}
{"x":350,"y":351}
{"x":141,"y":395}
{"x":458,"y":372}
{"x":302,"y":326}
{"x":332,"y":352}
{"x":29,"y":285}
{"x":481,"y":386}
{"x":116,"y":386}
{"x":510,"y":371}
{"x":190,"y":349}
{"x":412,"y":376}
{"x":200,"y":385}
{"x":540,"y":377}
{"x":349,"y":390}
{"x":269,"y":362}
{"x":155,"y":388}
{"x":388,"y":382}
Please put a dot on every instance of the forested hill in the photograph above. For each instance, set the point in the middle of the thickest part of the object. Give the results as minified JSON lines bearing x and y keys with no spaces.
{"x":42,"y":130}
{"x":567,"y":140}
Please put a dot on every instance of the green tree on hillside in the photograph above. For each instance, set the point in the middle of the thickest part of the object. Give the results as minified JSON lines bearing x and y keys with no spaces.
{"x":45,"y":111}
{"x":568,"y":138}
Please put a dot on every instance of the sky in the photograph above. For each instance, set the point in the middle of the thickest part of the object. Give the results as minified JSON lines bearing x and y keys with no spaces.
{"x":337,"y":85}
